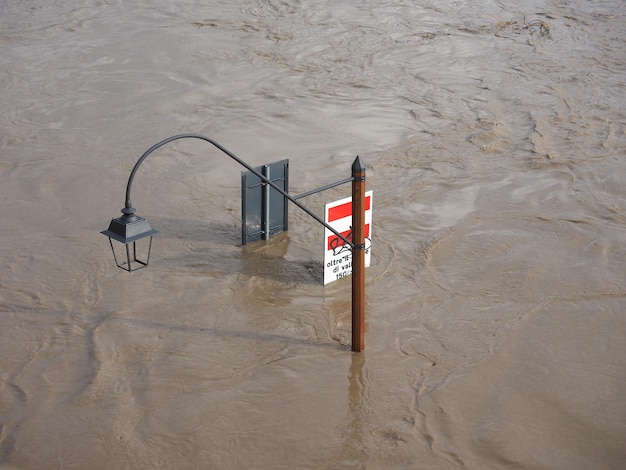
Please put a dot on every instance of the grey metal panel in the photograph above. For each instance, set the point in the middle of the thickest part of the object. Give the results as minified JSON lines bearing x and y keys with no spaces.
{"x":262,"y":218}
{"x":252,"y":187}
{"x":279,"y":172}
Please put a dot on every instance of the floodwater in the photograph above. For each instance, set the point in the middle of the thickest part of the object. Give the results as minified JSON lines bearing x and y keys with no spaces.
{"x":494,"y":138}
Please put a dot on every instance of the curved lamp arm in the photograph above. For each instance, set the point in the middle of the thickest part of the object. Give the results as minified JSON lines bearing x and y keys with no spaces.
{"x":129,"y":210}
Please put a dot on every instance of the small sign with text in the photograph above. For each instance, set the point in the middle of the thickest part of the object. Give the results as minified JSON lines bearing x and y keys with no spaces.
{"x":338,"y":255}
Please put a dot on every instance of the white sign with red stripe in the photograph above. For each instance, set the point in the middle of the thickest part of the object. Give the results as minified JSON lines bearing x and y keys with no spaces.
{"x":338,"y":256}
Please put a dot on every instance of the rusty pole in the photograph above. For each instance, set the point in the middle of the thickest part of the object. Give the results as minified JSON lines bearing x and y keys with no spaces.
{"x":358,"y":255}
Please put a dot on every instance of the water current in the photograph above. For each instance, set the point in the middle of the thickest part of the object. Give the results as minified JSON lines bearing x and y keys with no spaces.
{"x":493,"y":133}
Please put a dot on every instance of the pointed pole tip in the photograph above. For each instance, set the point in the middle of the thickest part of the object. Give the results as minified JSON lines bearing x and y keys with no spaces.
{"x":358,"y":165}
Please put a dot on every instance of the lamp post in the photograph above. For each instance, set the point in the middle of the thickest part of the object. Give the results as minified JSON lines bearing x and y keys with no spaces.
{"x":130,"y":228}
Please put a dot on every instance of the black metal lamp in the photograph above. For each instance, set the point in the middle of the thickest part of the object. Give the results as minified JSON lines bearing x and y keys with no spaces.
{"x":129,"y":229}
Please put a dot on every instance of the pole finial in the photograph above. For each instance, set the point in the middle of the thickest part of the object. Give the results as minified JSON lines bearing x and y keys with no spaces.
{"x":358,"y":166}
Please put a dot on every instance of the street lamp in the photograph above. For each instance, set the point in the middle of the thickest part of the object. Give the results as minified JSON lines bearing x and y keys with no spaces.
{"x":129,"y":229}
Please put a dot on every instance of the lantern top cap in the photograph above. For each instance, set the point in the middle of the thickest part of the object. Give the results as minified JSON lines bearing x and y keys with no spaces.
{"x":129,"y":228}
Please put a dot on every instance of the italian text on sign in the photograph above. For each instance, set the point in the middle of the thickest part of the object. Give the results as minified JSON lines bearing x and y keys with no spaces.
{"x":338,"y":256}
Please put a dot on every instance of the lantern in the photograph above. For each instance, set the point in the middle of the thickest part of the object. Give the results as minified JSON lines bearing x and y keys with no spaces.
{"x":129,"y":229}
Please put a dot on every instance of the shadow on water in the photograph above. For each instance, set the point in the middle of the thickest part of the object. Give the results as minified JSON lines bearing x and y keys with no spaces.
{"x":215,"y":248}
{"x":197,"y":230}
{"x":225,"y":333}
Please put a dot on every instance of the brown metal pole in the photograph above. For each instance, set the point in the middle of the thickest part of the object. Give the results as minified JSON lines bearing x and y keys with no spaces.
{"x":358,"y":255}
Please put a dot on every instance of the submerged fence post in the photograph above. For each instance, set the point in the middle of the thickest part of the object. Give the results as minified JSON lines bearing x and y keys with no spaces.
{"x":358,"y":255}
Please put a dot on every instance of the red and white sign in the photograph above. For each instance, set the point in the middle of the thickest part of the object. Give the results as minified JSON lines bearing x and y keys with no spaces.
{"x":338,"y":256}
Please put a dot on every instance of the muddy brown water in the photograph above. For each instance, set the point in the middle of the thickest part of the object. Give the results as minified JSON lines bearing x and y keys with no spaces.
{"x":494,"y":139}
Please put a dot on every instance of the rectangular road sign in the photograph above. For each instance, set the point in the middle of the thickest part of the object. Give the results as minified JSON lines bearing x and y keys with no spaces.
{"x":337,"y":256}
